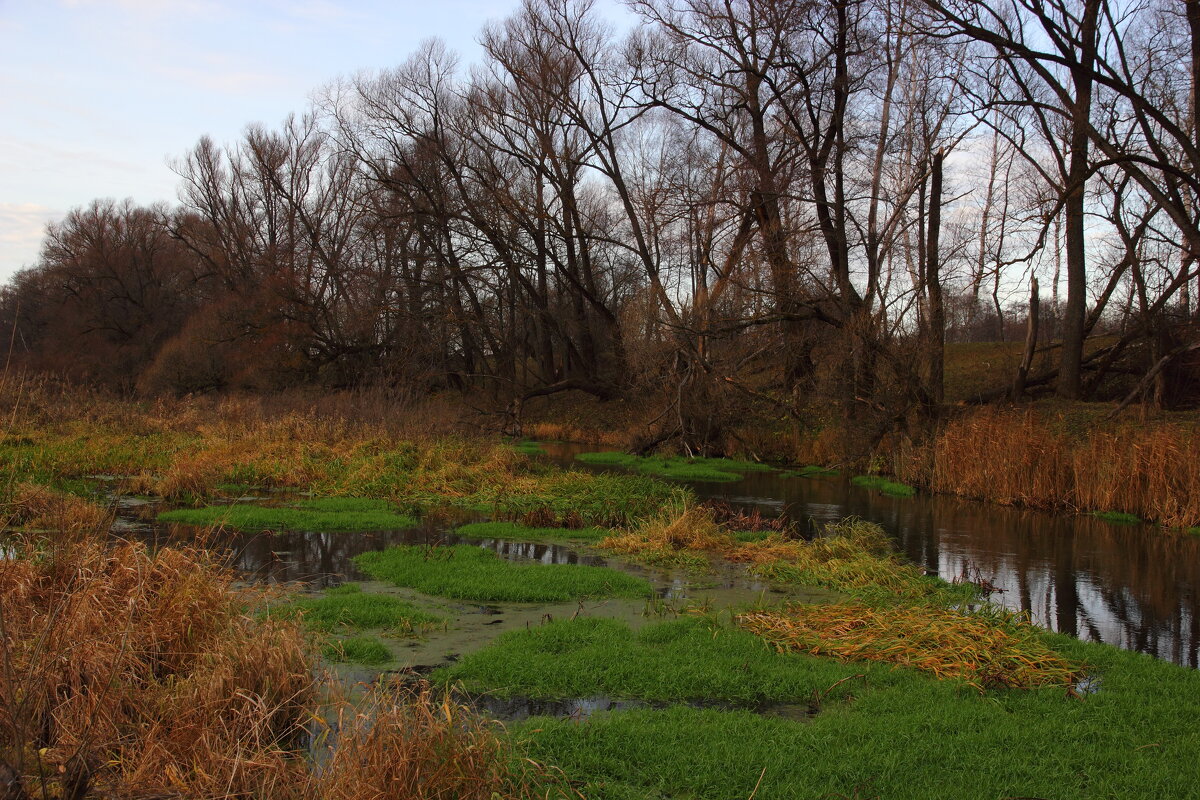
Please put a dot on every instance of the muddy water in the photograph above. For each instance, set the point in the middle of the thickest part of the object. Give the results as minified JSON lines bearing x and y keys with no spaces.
{"x":1133,"y":586}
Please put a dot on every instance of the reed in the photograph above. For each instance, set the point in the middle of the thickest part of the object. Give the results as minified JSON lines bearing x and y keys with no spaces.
{"x":1149,"y":470}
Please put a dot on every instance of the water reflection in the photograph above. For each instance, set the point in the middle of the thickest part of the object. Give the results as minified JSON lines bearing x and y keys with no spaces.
{"x":1133,"y":586}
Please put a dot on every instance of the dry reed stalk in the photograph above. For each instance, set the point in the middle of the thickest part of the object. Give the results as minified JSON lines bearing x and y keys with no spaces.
{"x":1018,"y":458}
{"x":983,"y":652}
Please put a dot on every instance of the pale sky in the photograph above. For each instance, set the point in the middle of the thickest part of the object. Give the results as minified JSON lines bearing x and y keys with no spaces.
{"x":96,"y":96}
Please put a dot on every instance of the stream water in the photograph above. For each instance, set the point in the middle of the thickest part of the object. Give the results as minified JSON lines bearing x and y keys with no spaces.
{"x":1133,"y":586}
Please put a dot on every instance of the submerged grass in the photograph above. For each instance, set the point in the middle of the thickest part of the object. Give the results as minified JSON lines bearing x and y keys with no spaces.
{"x":884,"y":485}
{"x":518,"y":532}
{"x":328,"y":514}
{"x":912,"y":739}
{"x":987,"y":649}
{"x":1117,"y":517}
{"x":466,"y":572}
{"x":854,"y":557}
{"x":349,"y":607}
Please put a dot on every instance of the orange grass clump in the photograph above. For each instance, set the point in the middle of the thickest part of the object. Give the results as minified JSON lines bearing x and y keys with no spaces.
{"x":141,"y":672}
{"x":984,"y":652}
{"x":39,"y":507}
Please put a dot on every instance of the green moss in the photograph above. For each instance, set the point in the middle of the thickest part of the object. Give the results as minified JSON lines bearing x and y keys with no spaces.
{"x":1194,"y":531}
{"x":692,"y":658}
{"x":528,"y":447}
{"x":473,"y":573}
{"x":518,"y":532}
{"x":811,"y":471}
{"x":891,"y":488}
{"x":904,"y":737}
{"x":365,"y":650}
{"x":1118,"y":517}
{"x":326,"y":514}
{"x":348,"y":606}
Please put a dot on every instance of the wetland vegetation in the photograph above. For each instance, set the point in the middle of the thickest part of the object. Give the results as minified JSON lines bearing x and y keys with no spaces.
{"x":721,"y":635}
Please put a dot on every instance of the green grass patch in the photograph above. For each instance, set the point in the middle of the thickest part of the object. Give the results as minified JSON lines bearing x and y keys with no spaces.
{"x":752,"y":536}
{"x":366,"y":650}
{"x":888,"y":487}
{"x":528,"y":447}
{"x":811,"y":471}
{"x":573,"y":497}
{"x":524,"y":533}
{"x":691,"y":658}
{"x":336,"y":514}
{"x":1194,"y":531}
{"x":904,"y":737}
{"x":466,"y":572}
{"x":1117,"y":517}
{"x":678,"y":467}
{"x":348,"y":606}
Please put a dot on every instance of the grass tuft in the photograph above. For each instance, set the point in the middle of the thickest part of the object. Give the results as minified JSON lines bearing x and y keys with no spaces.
{"x":348,"y":606}
{"x":881,"y":484}
{"x":466,"y":572}
{"x":365,"y":650}
{"x":811,"y":471}
{"x":713,"y":470}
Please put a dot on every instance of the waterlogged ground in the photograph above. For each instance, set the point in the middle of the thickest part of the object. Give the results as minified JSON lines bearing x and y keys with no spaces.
{"x":663,"y":691}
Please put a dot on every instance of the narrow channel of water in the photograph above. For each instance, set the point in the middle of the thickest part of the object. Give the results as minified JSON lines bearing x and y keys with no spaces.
{"x":1133,"y":586}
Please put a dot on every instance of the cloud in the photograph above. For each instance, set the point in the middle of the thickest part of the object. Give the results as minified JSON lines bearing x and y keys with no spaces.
{"x":21,"y":228}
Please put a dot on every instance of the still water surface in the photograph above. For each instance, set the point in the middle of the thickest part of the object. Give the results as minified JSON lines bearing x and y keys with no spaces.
{"x":1133,"y":586}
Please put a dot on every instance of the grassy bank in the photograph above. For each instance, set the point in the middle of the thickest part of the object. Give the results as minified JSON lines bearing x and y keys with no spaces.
{"x":190,"y":452}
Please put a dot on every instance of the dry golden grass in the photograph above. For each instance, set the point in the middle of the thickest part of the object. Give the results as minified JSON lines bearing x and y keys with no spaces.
{"x":983,"y":651}
{"x":146,"y":668}
{"x":39,"y":507}
{"x":1151,"y":470}
{"x":133,"y":674}
{"x":415,"y":743}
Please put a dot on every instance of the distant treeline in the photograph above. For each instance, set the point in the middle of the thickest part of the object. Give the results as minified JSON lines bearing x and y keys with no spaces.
{"x":769,"y":199}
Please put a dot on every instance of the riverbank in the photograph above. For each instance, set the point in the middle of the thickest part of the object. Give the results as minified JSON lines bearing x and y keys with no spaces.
{"x":1049,"y":455}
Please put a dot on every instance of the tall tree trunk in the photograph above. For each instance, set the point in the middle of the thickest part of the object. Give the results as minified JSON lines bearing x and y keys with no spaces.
{"x":1071,"y":363}
{"x":935,"y":346}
